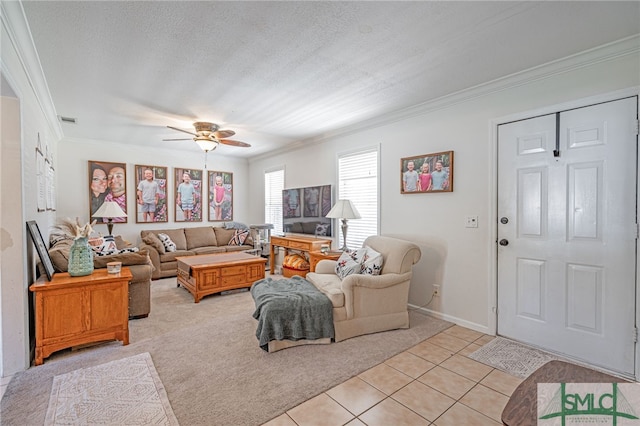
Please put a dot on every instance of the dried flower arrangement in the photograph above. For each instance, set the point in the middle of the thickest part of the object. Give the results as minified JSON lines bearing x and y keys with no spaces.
{"x":67,"y":229}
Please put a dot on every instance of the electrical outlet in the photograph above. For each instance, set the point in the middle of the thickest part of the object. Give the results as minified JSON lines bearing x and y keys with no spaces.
{"x":471,"y":222}
{"x":436,"y":289}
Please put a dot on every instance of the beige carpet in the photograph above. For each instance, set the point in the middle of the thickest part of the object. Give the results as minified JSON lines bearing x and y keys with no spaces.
{"x":123,"y":392}
{"x":512,"y":357}
{"x":208,"y":359}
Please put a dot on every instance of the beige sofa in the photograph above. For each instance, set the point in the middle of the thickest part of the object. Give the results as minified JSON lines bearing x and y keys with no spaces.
{"x":189,"y":242}
{"x":364,"y":304}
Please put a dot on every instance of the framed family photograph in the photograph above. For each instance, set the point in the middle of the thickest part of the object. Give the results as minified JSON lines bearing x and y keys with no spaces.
{"x":291,"y":199}
{"x":427,"y":173}
{"x":220,"y":196}
{"x":188,"y":190}
{"x":107,"y":182}
{"x":151,"y":194}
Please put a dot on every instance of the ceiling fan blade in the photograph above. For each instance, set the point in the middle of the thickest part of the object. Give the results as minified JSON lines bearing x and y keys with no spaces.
{"x":187,"y":139}
{"x":220,"y":134}
{"x":182,"y":130}
{"x":234,"y":143}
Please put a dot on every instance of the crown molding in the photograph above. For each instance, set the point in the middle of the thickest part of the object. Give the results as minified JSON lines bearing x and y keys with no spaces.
{"x":608,"y":52}
{"x":15,"y":22}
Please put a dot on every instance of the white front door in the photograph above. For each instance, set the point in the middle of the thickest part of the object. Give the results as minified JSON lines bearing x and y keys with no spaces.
{"x":567,"y":232}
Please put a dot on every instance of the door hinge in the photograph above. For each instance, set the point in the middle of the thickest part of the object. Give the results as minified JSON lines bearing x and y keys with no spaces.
{"x":637,"y":127}
{"x":637,"y":231}
{"x":635,"y":334}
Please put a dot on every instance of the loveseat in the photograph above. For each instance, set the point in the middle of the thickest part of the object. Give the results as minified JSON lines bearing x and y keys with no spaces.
{"x":362,"y":303}
{"x":190,"y":242}
{"x":138,"y":262}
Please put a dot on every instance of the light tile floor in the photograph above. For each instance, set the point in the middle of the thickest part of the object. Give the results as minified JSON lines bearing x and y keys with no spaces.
{"x":433,"y":383}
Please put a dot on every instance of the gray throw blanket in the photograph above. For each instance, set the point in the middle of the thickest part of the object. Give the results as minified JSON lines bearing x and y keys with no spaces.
{"x":291,"y":309}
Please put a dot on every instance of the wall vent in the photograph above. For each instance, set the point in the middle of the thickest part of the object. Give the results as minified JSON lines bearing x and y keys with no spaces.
{"x":69,"y":120}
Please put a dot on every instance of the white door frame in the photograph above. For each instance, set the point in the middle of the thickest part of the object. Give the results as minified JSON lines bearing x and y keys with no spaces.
{"x":493,"y":212}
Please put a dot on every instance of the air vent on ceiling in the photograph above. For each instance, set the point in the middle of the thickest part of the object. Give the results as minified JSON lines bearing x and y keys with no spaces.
{"x":69,"y":120}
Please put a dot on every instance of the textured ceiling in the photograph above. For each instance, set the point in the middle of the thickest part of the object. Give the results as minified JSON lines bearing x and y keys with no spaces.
{"x":280,"y":72}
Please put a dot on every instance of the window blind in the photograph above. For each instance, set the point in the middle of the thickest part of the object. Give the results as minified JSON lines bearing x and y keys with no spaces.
{"x":273,"y":186}
{"x":358,"y":182}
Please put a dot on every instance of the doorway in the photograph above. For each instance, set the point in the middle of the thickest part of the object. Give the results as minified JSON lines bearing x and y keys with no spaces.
{"x":567,"y":232}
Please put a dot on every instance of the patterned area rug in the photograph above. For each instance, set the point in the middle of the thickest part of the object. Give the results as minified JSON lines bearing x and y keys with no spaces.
{"x":126,"y":391}
{"x":512,"y":357}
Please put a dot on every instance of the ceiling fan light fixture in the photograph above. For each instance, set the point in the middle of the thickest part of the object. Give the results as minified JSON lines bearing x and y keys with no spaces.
{"x":206,"y":144}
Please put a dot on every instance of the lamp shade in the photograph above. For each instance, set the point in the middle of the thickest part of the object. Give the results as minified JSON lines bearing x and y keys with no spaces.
{"x":343,"y":209}
{"x":206,"y":144}
{"x":109,"y":209}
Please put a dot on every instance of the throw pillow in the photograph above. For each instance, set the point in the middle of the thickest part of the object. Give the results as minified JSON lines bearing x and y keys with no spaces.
{"x":239,"y":236}
{"x":112,"y":252}
{"x":295,"y":261}
{"x":169,"y":245}
{"x":322,"y":229}
{"x":347,"y":265}
{"x":153,"y":240}
{"x":137,"y":258}
{"x":370,"y":261}
{"x":103,"y":246}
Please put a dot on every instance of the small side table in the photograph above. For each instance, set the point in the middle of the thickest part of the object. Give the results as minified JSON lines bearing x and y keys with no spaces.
{"x":317,"y":256}
{"x":72,"y":311}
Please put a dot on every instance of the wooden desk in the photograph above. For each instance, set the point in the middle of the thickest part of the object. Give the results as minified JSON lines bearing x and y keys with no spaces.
{"x":305,"y":244}
{"x":317,"y":256}
{"x":72,"y":311}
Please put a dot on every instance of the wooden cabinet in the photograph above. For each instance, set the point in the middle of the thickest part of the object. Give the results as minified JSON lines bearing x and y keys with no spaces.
{"x":73,"y":311}
{"x":306,"y":244}
{"x":317,"y":256}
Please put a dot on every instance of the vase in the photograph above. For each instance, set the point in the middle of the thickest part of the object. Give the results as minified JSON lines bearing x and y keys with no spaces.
{"x":80,"y":258}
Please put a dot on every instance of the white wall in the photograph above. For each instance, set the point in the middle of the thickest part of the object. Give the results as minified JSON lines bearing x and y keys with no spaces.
{"x":26,"y":118}
{"x":73,"y":178}
{"x":453,"y":256}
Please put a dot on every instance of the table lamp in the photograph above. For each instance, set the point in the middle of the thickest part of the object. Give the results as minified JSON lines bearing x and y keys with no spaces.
{"x":344,"y":210}
{"x":109,"y":210}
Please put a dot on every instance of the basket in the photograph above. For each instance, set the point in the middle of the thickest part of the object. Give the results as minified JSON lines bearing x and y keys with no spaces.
{"x":290,"y":272}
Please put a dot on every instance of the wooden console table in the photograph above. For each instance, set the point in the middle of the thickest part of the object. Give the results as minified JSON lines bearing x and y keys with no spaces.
{"x":305,"y":244}
{"x":72,"y":311}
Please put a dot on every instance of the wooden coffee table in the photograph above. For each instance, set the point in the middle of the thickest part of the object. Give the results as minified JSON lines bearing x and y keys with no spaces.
{"x":212,"y":273}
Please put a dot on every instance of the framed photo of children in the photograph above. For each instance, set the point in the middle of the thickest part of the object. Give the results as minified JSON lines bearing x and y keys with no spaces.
{"x":188,"y":190}
{"x":220,"y":196}
{"x":107,"y":182}
{"x":427,"y":173}
{"x":151,"y":194}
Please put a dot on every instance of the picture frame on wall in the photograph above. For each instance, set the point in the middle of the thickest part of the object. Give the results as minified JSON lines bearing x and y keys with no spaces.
{"x":151,"y":193}
{"x":107,"y":182}
{"x":427,"y":173}
{"x":311,"y":201}
{"x":291,"y":200}
{"x":188,"y":193}
{"x":34,"y":232}
{"x":220,"y":196}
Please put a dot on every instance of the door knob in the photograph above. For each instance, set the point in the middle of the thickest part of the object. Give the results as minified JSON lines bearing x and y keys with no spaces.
{"x":504,"y":242}
{"x":504,"y":220}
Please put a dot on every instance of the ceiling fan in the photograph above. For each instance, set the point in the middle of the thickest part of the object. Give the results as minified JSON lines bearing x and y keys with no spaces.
{"x":208,"y":136}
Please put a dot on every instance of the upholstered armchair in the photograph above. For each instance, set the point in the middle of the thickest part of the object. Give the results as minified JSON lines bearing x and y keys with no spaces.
{"x":364,"y":304}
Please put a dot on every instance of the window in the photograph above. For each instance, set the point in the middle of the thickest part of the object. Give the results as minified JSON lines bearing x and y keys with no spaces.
{"x":358,"y":182}
{"x":273,"y":186}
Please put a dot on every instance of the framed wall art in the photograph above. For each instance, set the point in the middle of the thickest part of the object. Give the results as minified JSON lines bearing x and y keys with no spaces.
{"x":188,"y":192}
{"x":41,"y":248}
{"x":220,"y":196}
{"x":151,"y":193}
{"x":107,"y":182}
{"x":427,"y":173}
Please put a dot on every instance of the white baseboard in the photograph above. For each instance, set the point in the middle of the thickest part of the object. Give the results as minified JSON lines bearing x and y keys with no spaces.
{"x":462,"y":323}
